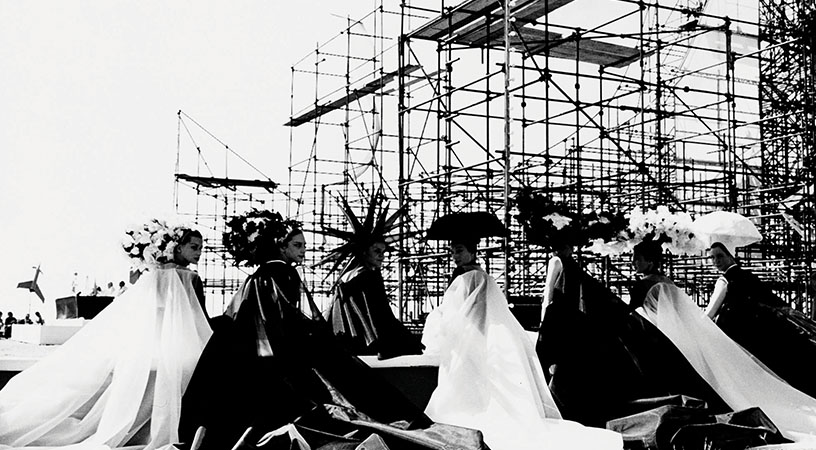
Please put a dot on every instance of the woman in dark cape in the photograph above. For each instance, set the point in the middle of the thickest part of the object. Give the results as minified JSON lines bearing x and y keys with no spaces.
{"x":751,"y":314}
{"x":769,"y":411}
{"x":600,"y":358}
{"x":269,"y":366}
{"x":603,"y":358}
{"x":360,"y":314}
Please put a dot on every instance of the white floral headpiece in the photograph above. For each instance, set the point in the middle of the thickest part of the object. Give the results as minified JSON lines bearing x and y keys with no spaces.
{"x":654,"y":223}
{"x":153,"y":243}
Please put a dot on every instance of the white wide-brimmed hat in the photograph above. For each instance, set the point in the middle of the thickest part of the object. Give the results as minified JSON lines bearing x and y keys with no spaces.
{"x":731,"y":229}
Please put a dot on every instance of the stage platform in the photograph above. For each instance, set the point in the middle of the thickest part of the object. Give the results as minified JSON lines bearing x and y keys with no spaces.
{"x":56,"y":333}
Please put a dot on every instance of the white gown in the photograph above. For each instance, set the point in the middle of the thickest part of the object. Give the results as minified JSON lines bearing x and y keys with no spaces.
{"x":122,"y":375}
{"x":490,"y":378}
{"x":740,"y":380}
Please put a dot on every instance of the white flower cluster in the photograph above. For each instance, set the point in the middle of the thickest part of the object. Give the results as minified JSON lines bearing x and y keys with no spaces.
{"x":609,"y":248}
{"x":674,"y":226}
{"x":558,"y":221}
{"x":151,"y":244}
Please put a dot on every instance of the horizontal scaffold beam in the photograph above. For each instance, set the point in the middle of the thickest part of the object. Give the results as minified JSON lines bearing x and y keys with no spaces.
{"x":353,"y":95}
{"x":230,"y":183}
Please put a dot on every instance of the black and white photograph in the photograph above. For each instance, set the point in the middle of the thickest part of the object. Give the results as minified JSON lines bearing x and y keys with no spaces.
{"x":403,"y":225}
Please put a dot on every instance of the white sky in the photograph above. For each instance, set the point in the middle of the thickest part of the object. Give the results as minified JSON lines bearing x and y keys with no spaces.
{"x":89,"y":93}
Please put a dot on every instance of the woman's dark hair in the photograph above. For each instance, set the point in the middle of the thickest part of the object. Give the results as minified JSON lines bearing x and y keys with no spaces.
{"x":273,"y":248}
{"x":469,"y":244}
{"x":722,"y":247}
{"x":650,"y":250}
{"x":188,"y":234}
{"x":293,"y":231}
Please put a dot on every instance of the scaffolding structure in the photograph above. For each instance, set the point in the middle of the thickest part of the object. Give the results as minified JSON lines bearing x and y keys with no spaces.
{"x":212,"y":184}
{"x":601,"y":117}
{"x":695,"y":105}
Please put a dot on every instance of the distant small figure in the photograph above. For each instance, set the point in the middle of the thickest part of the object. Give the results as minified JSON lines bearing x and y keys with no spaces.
{"x":109,"y":291}
{"x":40,"y":320}
{"x":2,"y":335}
{"x":75,"y":284}
{"x":27,"y":320}
{"x":122,"y":288}
{"x":10,"y":320}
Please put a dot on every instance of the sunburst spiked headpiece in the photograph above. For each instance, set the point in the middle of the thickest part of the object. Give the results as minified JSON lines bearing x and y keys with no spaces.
{"x":376,"y":226}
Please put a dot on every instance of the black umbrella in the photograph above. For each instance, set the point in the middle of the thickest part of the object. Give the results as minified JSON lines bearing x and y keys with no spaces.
{"x":466,"y":226}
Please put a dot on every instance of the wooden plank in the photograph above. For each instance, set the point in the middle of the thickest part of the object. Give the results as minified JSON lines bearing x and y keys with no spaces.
{"x":369,"y":88}
{"x":230,"y":183}
{"x":467,"y":23}
{"x":478,"y":23}
{"x":529,"y":37}
{"x":476,"y":34}
{"x":595,"y":52}
{"x":459,"y":16}
{"x":589,"y":50}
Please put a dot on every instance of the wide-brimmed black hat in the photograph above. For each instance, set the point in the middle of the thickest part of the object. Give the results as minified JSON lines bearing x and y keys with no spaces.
{"x":466,"y":227}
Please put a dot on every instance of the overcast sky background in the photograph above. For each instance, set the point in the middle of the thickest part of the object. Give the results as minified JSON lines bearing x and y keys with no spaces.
{"x":88,"y":129}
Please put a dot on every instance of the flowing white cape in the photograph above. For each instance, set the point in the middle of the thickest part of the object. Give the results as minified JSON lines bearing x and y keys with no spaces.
{"x":740,"y":380}
{"x":490,"y":378}
{"x":128,"y":366}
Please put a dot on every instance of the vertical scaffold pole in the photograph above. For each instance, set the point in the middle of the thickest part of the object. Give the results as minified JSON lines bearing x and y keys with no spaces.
{"x":506,"y":156}
{"x":401,"y":187}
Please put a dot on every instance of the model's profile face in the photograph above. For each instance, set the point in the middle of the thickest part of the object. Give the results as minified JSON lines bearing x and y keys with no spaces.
{"x":375,"y":255}
{"x":720,"y":258}
{"x":461,"y":255}
{"x":189,"y":252}
{"x":641,"y":265}
{"x":295,"y":249}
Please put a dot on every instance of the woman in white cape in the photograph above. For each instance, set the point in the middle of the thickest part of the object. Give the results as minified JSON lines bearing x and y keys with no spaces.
{"x":120,"y":379}
{"x":735,"y":374}
{"x":490,"y":378}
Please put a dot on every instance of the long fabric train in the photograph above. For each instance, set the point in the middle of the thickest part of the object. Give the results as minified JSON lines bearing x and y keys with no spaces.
{"x":121,"y":376}
{"x":490,"y":378}
{"x":735,"y":374}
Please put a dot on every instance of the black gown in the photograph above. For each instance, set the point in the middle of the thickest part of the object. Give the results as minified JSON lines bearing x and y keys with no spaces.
{"x":783,"y":338}
{"x":361,"y":317}
{"x":271,"y":366}
{"x":607,"y":358}
{"x":679,"y":422}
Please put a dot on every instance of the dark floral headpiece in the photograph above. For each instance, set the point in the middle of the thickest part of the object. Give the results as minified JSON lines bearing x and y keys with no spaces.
{"x":546,"y":222}
{"x":553,"y":224}
{"x":254,"y":237}
{"x":605,"y":225}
